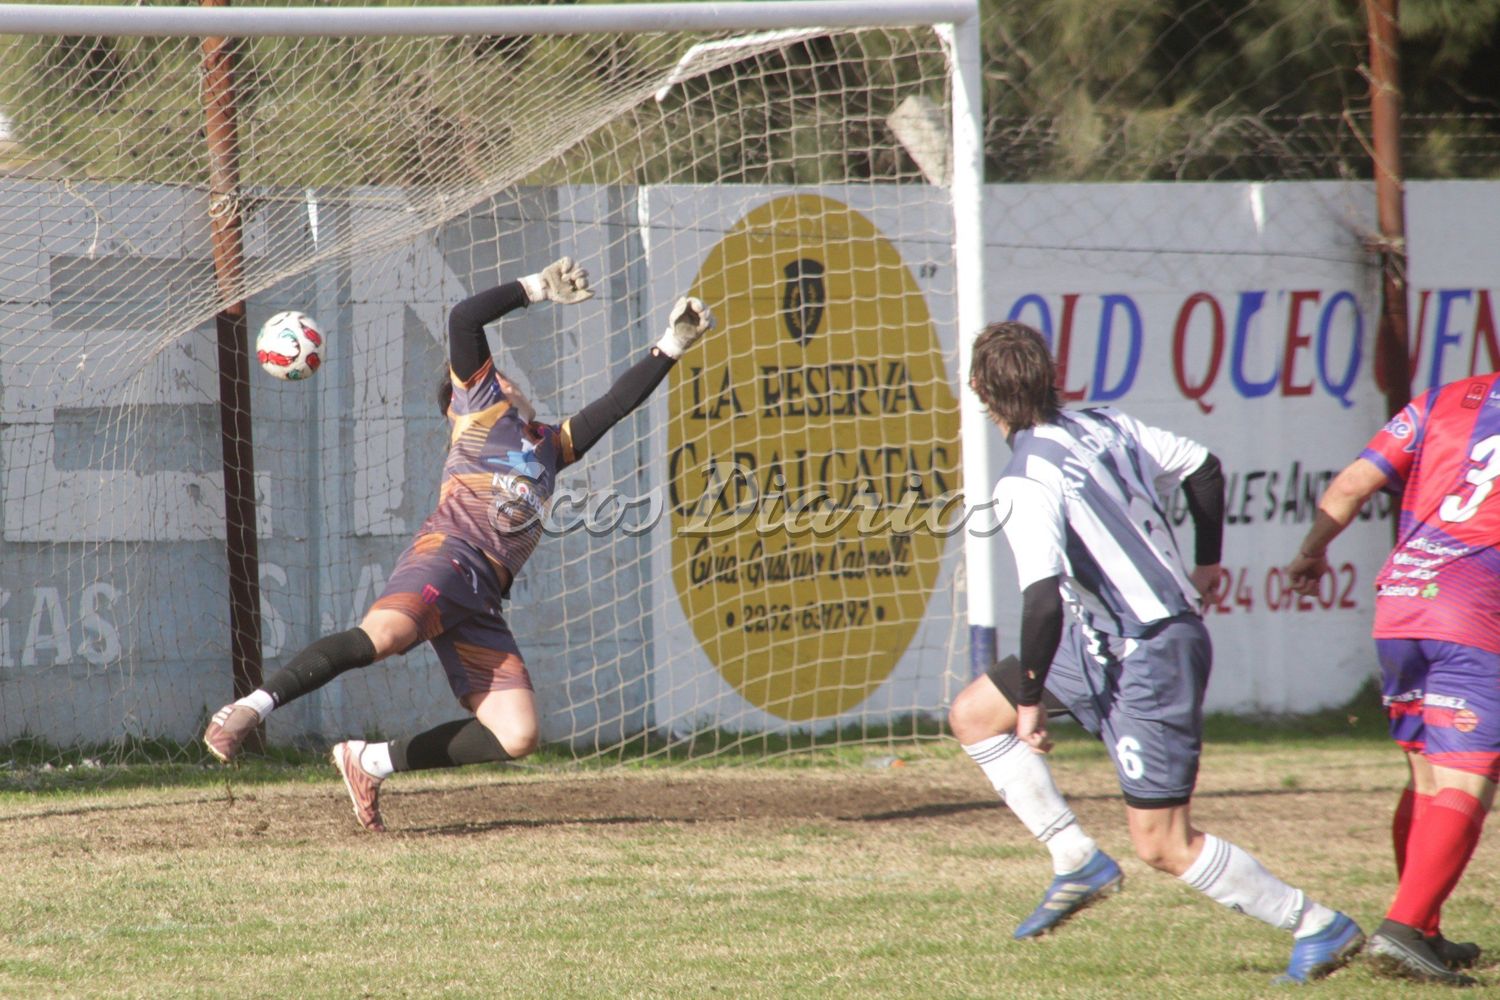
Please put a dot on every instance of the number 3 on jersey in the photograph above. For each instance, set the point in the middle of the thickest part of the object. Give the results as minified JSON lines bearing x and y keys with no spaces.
{"x":1454,"y":507}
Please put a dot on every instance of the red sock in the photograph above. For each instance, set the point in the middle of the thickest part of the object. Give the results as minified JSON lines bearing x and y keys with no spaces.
{"x":1442,"y":840}
{"x":1408,"y":807}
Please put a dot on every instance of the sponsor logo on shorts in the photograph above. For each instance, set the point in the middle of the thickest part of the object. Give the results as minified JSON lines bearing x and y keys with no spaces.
{"x":430,"y":594}
{"x":1443,"y":712}
{"x":1403,"y":705}
{"x":468,"y":573}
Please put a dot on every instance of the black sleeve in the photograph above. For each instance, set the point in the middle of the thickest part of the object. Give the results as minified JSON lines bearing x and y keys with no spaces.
{"x":1205,"y":500}
{"x":467,"y":348}
{"x":1041,"y":631}
{"x":630,"y":390}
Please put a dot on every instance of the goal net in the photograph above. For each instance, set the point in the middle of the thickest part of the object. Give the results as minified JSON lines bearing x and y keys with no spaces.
{"x":764,"y":555}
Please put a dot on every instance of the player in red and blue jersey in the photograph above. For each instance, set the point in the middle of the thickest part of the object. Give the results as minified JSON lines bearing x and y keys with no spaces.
{"x":448,"y":585}
{"x":1437,"y":633}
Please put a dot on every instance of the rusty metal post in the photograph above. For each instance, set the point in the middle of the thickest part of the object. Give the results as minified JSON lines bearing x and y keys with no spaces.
{"x":1392,"y":340}
{"x":225,"y":223}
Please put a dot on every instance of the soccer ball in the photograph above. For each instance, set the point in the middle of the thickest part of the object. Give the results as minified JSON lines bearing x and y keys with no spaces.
{"x":289,"y":346}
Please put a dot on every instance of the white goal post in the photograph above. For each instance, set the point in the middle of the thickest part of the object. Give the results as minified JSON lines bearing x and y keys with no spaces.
{"x":173,"y":522}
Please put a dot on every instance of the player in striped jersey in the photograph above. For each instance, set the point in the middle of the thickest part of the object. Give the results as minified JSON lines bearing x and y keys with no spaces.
{"x":1110,"y":633}
{"x":448,"y":585}
{"x":1437,"y":634}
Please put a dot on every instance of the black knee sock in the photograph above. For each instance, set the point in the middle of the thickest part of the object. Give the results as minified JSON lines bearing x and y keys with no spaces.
{"x":451,"y":744}
{"x":320,"y":663}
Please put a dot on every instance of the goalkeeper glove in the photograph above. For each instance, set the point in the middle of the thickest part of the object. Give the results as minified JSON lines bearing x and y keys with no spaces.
{"x":561,"y":281}
{"x":689,"y":320}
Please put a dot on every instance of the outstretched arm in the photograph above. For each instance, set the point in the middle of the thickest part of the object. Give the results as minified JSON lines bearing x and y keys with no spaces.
{"x":562,"y":281}
{"x":690,"y":319}
{"x":1336,"y":508}
{"x":468,"y":350}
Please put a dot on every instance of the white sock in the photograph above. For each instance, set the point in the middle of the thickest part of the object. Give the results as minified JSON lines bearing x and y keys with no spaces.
{"x":259,"y":700}
{"x":1025,"y":784}
{"x":375,"y":758}
{"x":1229,"y":875}
{"x":1315,"y":917}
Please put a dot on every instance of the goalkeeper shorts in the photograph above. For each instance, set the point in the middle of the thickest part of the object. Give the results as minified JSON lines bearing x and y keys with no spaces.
{"x":449,"y":589}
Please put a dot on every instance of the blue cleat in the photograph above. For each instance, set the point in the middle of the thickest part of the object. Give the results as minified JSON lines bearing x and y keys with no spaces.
{"x":1070,"y":893}
{"x":1316,"y":955}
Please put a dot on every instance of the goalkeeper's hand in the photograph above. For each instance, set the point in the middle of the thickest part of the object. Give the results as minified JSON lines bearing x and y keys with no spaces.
{"x":562,"y":281}
{"x":689,"y":320}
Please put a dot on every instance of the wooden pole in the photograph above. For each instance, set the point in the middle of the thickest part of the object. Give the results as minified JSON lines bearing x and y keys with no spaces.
{"x":225,"y":223}
{"x":1392,"y":340}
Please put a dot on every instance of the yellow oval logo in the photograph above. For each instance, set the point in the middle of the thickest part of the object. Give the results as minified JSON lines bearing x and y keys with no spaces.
{"x":814,"y":457}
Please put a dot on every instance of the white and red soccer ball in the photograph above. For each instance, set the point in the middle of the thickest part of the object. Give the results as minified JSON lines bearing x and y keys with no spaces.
{"x":289,"y":345}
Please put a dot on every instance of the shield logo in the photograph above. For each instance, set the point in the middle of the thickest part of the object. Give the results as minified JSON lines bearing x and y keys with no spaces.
{"x":802,"y":299}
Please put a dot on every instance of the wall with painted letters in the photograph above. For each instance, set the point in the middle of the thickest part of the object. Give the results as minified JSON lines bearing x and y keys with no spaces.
{"x":1242,"y":315}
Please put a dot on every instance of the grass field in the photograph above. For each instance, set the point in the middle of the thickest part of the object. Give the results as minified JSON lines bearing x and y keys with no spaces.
{"x":816,"y":877}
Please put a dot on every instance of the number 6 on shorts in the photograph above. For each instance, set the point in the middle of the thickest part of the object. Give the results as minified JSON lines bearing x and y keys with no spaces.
{"x":1127,"y":751}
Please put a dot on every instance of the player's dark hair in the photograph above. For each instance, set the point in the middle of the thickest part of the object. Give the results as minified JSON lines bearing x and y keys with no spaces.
{"x":1011,"y":370}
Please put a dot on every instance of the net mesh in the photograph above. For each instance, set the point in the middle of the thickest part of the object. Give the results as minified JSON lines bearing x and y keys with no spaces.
{"x":381,"y":179}
{"x":374,"y":182}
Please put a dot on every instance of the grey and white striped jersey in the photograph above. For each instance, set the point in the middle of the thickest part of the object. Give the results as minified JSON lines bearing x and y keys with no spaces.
{"x":1081,"y":499}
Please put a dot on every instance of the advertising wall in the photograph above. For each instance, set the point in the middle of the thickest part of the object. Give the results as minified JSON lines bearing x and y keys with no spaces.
{"x":1241,"y":315}
{"x":1244,"y":316}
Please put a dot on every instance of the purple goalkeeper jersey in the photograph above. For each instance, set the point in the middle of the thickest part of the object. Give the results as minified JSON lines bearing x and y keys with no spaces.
{"x":500,"y":472}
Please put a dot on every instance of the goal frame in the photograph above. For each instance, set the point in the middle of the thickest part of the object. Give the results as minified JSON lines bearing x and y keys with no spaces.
{"x":956,"y":21}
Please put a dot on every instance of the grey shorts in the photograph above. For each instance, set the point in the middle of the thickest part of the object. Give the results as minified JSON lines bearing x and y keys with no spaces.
{"x":1142,"y":697}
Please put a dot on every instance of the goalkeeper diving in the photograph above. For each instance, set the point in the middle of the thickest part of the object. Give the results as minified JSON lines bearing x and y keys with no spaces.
{"x":448,"y":587}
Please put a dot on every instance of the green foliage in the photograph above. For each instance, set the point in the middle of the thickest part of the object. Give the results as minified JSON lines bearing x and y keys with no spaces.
{"x":1164,"y":89}
{"x":1074,"y":90}
{"x":1157,"y":89}
{"x":388,"y":111}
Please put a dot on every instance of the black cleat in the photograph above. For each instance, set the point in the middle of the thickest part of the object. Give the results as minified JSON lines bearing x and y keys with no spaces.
{"x":1403,"y":951}
{"x":1454,"y":954}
